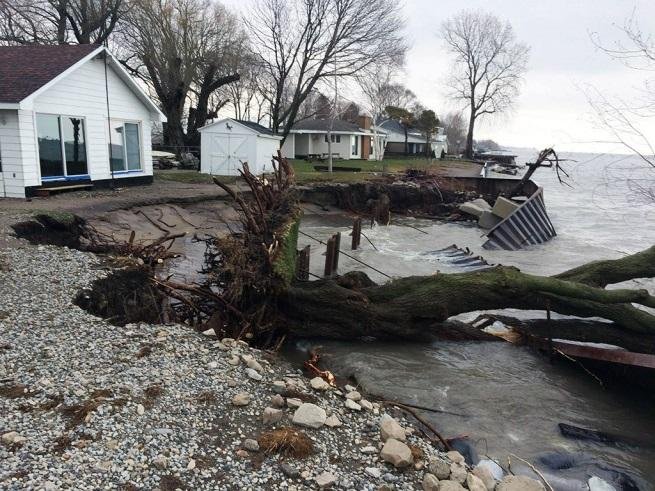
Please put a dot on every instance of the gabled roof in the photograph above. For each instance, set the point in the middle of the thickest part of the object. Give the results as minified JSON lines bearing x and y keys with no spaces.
{"x":249,"y":125}
{"x":25,"y":69}
{"x":338,"y":125}
{"x":255,"y":126}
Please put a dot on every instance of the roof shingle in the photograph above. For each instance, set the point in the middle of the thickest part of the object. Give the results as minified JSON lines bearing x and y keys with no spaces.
{"x":24,"y":69}
{"x":338,"y":125}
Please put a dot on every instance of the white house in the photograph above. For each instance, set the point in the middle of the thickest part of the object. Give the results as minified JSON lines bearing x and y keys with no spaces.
{"x":71,"y":115}
{"x":416,"y":140}
{"x":309,"y":138}
{"x":228,"y":142}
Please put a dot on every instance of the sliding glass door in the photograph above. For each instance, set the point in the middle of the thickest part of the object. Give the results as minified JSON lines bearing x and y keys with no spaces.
{"x":125,"y":147}
{"x":62,"y":146}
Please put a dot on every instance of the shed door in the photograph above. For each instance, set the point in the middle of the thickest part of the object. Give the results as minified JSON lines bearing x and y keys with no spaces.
{"x":227,"y":152}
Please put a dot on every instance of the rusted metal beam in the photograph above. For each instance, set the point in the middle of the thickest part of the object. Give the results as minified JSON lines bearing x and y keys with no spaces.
{"x":605,"y":354}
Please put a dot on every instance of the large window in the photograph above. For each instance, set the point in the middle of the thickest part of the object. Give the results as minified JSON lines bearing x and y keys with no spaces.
{"x":62,"y":145}
{"x":334,"y":138}
{"x":355,"y":145}
{"x":125,"y":147}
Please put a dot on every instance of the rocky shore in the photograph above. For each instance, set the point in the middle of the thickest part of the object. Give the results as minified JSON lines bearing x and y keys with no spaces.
{"x":88,"y":405}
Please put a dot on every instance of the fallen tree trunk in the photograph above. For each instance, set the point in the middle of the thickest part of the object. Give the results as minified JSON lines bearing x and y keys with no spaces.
{"x":408,"y":308}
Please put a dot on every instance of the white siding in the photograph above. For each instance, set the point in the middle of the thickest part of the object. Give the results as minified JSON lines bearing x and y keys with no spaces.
{"x":31,"y":170}
{"x":10,"y":152}
{"x":288,"y":149}
{"x":319,"y":145}
{"x":82,"y":93}
{"x":266,"y":149}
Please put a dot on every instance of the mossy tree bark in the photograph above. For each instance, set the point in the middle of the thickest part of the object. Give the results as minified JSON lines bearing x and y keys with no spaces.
{"x":353,"y":306}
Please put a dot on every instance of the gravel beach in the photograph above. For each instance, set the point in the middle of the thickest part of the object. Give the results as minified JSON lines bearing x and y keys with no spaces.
{"x":88,"y":405}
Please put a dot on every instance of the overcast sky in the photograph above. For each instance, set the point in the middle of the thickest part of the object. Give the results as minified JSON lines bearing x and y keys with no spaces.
{"x":552,"y":108}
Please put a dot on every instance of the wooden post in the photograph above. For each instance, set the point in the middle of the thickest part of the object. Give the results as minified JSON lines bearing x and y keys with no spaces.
{"x":302,"y":264}
{"x":329,"y":258}
{"x":337,"y":246}
{"x":357,"y":233}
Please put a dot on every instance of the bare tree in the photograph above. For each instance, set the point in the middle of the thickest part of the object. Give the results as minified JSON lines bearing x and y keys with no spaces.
{"x":624,"y":117}
{"x":302,"y":42}
{"x":185,"y":50}
{"x":454,"y":125}
{"x":59,"y":21}
{"x":489,"y":65}
{"x":246,"y":95}
{"x":379,"y":92}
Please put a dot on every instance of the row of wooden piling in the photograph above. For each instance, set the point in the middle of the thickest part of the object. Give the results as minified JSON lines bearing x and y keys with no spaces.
{"x":331,"y":253}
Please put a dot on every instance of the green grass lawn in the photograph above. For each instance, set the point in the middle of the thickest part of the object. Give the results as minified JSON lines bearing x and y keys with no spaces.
{"x":370,"y":169}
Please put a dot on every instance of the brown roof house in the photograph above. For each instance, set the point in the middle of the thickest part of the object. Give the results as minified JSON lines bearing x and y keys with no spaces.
{"x":71,"y":116}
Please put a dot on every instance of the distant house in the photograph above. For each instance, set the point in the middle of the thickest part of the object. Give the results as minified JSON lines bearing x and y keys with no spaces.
{"x":71,"y":115}
{"x":416,"y":140}
{"x":309,"y":138}
{"x":226,"y":143}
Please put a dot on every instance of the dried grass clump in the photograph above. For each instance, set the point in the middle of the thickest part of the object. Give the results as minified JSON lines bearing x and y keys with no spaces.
{"x":14,"y":391}
{"x":287,"y":441}
{"x":151,"y":394}
{"x":77,"y":413}
{"x":417,"y":453}
{"x":205,"y":397}
{"x":62,"y":443}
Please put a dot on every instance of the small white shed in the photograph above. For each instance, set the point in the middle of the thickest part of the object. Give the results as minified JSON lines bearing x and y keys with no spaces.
{"x":226,"y":143}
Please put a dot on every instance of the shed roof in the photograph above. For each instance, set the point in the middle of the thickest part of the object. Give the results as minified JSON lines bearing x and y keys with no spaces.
{"x":25,"y":69}
{"x":338,"y":125}
{"x":255,"y":126}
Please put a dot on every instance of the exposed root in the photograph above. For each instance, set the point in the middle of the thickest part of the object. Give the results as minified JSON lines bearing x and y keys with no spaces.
{"x":287,"y":441}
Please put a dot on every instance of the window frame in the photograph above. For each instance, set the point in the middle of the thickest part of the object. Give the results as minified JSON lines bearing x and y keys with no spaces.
{"x":62,"y":143}
{"x":126,"y":170}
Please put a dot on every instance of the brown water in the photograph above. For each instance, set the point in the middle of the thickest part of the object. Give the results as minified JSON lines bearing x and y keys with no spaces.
{"x":510,"y":398}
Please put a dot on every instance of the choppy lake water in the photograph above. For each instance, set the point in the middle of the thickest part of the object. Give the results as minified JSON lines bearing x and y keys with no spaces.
{"x":512,"y":399}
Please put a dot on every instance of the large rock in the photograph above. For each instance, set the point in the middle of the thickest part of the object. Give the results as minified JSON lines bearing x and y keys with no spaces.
{"x":325,"y":480}
{"x":271,"y":415}
{"x":309,"y":415}
{"x":13,"y":438}
{"x":319,"y":384}
{"x":458,"y":472}
{"x":519,"y":483}
{"x":353,"y":395}
{"x":475,"y":207}
{"x":485,"y":475}
{"x":397,"y":453}
{"x":455,"y":456}
{"x":333,"y":421}
{"x":253,"y":374}
{"x":430,"y":482}
{"x":241,"y":399}
{"x":350,"y":404}
{"x":439,"y":467}
{"x":474,"y":483}
{"x":450,"y":486}
{"x":389,"y":428}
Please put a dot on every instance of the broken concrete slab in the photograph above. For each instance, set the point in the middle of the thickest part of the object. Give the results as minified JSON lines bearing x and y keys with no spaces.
{"x":504,"y":207}
{"x":475,"y":207}
{"x":488,"y":220}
